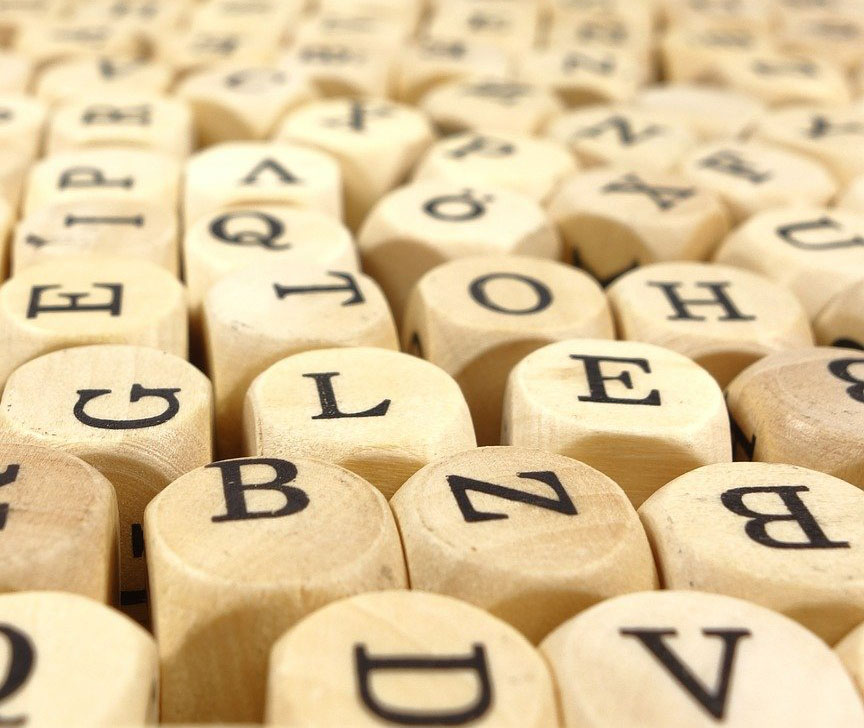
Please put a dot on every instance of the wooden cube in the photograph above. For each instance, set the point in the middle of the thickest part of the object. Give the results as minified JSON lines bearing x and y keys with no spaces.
{"x":101,"y":228}
{"x":719,"y":13}
{"x":220,"y":602}
{"x":784,"y":79}
{"x":697,"y":55}
{"x":598,"y":31}
{"x":424,"y":224}
{"x":407,"y":658}
{"x":22,"y":122}
{"x":778,"y":535}
{"x":381,"y":414}
{"x":813,"y":251}
{"x":254,"y":173}
{"x":620,"y":136}
{"x":71,"y":661}
{"x":140,"y":416}
{"x":694,"y":660}
{"x":528,"y":165}
{"x":429,"y":62}
{"x":110,"y":174}
{"x":64,"y":39}
{"x":477,"y":317}
{"x":841,"y":321}
{"x":723,"y":318}
{"x":121,"y":120}
{"x":751,"y":177}
{"x":507,"y":25}
{"x":277,"y":17}
{"x":613,"y":220}
{"x":465,"y":522}
{"x":103,"y":76}
{"x":61,"y":303}
{"x":58,"y":520}
{"x":490,"y":104}
{"x":581,"y":76}
{"x":194,"y":49}
{"x":268,"y":311}
{"x":638,"y":413}
{"x":829,"y":136}
{"x":819,"y":392}
{"x":236,"y":103}
{"x":222,"y":242}
{"x":342,"y":67}
{"x":376,"y":143}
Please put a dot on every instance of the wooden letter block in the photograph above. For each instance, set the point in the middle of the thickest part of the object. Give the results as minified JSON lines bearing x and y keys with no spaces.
{"x":694,"y":660}
{"x":619,"y":136}
{"x":830,"y":136}
{"x":407,"y":658}
{"x":381,"y":414}
{"x":68,"y":38}
{"x":530,"y":166}
{"x":813,"y":251}
{"x":781,"y":536}
{"x":223,"y":242}
{"x":122,"y":120}
{"x":465,"y":521}
{"x":196,"y":49}
{"x":494,"y":104}
{"x":247,"y":173}
{"x":430,"y":62}
{"x":612,"y":221}
{"x":510,"y":26}
{"x":638,"y":413}
{"x":424,"y":224}
{"x":753,"y":177}
{"x":61,"y":303}
{"x":802,"y":407}
{"x":841,"y":321}
{"x":139,"y":416}
{"x":342,"y":68}
{"x":22,"y":122}
{"x":102,"y":77}
{"x":242,"y":103}
{"x":697,"y":55}
{"x":721,"y":317}
{"x":98,"y":228}
{"x":71,"y":661}
{"x":109,"y":174}
{"x":58,"y":524}
{"x":238,"y":552}
{"x":477,"y":317}
{"x":376,"y":143}
{"x":268,"y":311}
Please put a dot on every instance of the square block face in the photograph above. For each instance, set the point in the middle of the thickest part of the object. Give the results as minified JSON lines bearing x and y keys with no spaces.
{"x":68,"y":80}
{"x":220,"y":601}
{"x":819,"y":391}
{"x":814,"y":251}
{"x":57,"y":539}
{"x":390,"y":657}
{"x":242,"y":102}
{"x":721,"y":317}
{"x":139,"y":416}
{"x":638,"y":413}
{"x":695,"y":55}
{"x":72,"y":302}
{"x":198,"y":48}
{"x":225,"y":241}
{"x":378,"y":413}
{"x":250,"y":173}
{"x":706,"y":658}
{"x":62,"y":650}
{"x":532,"y":167}
{"x":265,"y":312}
{"x":431,"y":61}
{"x":424,"y":224}
{"x":621,"y":136}
{"x":613,"y":220}
{"x":531,"y":537}
{"x":102,"y":228}
{"x":122,"y":120}
{"x":60,"y":40}
{"x":376,"y":142}
{"x":117,"y":174}
{"x":754,"y":177}
{"x":477,"y":317}
{"x":778,"y":535}
{"x":490,"y":104}
{"x":342,"y":67}
{"x":509,"y":26}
